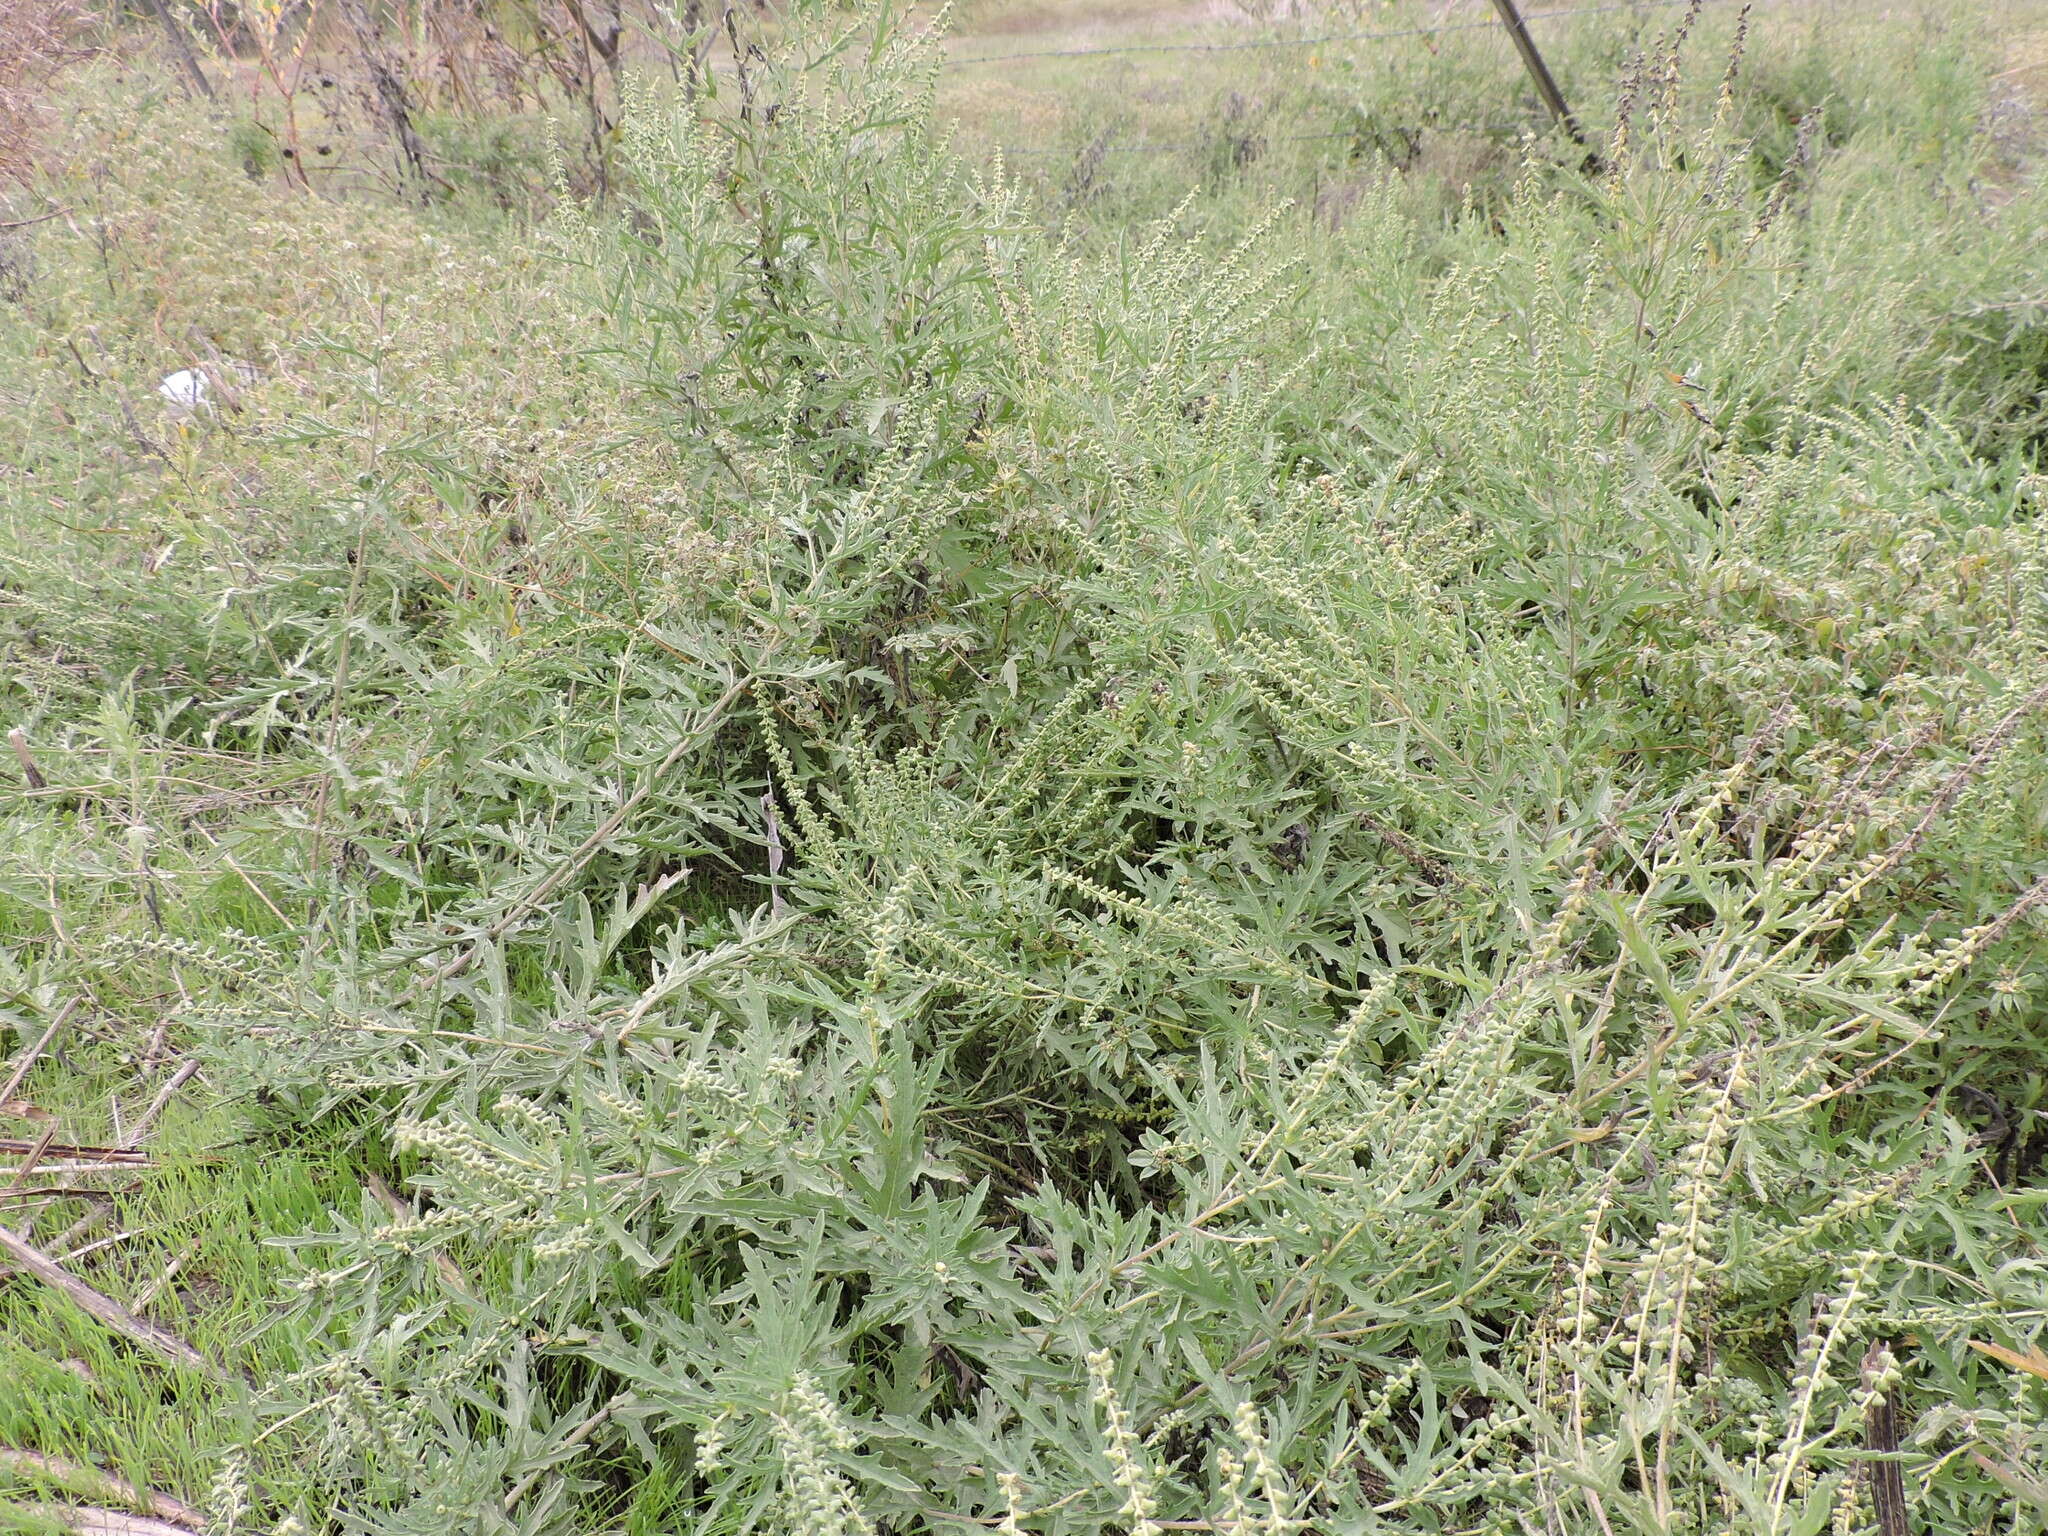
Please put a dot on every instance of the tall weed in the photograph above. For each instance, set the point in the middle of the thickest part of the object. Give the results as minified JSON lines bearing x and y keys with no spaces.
{"x":1249,"y":880}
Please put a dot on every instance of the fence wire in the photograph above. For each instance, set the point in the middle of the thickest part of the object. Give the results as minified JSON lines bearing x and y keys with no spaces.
{"x":1323,"y":40}
{"x":1478,"y":24}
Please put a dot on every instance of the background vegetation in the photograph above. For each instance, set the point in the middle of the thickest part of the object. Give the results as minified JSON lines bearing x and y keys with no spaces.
{"x":834,"y":794}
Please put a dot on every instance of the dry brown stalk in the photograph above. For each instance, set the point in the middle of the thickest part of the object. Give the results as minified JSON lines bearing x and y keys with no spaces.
{"x":1881,"y":1437}
{"x":101,"y":1307}
{"x":87,"y":1520}
{"x":16,"y":1146}
{"x":92,"y":1481}
{"x":29,"y":769}
{"x":27,"y":1063}
{"x":37,"y":39}
{"x":178,"y":1079}
{"x":391,"y":1202}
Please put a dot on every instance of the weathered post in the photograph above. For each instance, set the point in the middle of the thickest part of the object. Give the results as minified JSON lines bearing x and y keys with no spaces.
{"x":1546,"y":87}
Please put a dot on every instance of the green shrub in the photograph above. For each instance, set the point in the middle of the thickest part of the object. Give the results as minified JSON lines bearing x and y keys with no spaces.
{"x":1257,"y":879}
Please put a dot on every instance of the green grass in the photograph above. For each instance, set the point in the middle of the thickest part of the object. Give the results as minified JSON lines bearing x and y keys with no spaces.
{"x":1326,"y":833}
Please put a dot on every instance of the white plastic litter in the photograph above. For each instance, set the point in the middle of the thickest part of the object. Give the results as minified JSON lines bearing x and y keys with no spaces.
{"x":185,"y":390}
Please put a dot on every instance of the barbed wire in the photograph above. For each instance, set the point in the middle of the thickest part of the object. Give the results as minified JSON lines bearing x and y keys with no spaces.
{"x":1017,"y":151}
{"x":1261,"y":140}
{"x":1384,"y":34}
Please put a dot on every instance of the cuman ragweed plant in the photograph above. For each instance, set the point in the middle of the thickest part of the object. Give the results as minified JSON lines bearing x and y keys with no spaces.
{"x":1299,"y":882}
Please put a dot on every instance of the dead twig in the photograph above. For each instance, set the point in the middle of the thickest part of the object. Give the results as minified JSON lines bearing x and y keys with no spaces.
{"x":104,"y":1485}
{"x":261,"y":894}
{"x":101,"y":1206}
{"x":69,"y":1171}
{"x":1881,"y":1437}
{"x":88,"y":1520}
{"x":33,"y":1156}
{"x":41,"y":218}
{"x":145,"y":442}
{"x":95,"y":1217}
{"x":155,"y":1288}
{"x":575,"y":1437}
{"x":27,"y":1062}
{"x":713,"y":716}
{"x":392,"y":96}
{"x":775,"y":901}
{"x":178,"y":1079}
{"x":1432,"y":869}
{"x":391,"y":1202}
{"x":50,"y":1194}
{"x":126,"y":1235}
{"x":19,"y":741}
{"x":104,"y":1308}
{"x":93,"y":1157}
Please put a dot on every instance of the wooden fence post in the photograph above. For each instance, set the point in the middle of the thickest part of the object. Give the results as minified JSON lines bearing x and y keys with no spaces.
{"x":181,"y":50}
{"x":1546,"y":87}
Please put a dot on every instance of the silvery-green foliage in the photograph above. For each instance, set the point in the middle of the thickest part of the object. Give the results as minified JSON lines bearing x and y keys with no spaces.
{"x":1078,"y":954}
